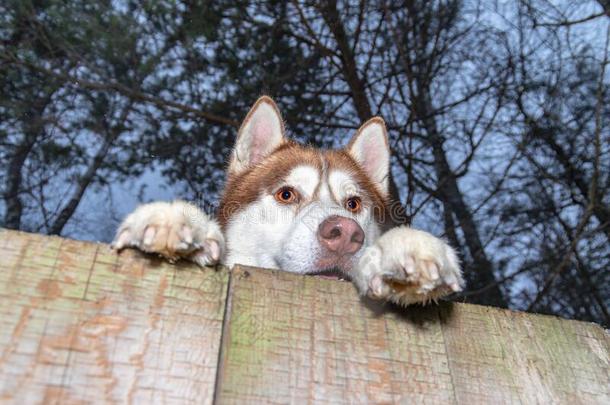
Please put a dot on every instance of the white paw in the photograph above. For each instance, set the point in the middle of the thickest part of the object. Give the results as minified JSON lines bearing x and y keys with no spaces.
{"x":407,"y":266}
{"x":173,"y":230}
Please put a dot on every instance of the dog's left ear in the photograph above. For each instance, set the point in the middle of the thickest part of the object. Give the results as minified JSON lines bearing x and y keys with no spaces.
{"x":261,"y":132}
{"x":370,"y":148}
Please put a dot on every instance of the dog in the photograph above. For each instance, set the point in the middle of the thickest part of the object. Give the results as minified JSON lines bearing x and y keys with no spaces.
{"x":303,"y":210}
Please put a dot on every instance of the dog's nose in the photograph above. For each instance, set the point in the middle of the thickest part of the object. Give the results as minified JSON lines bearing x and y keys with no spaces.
{"x":341,"y":235}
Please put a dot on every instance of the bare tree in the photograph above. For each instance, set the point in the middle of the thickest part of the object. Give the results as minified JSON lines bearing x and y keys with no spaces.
{"x":497,"y":115}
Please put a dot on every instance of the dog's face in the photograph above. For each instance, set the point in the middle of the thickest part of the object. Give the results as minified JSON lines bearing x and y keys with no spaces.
{"x":298,"y":208}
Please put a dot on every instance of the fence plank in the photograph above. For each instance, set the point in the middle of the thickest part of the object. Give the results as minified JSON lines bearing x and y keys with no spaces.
{"x":294,"y":339}
{"x":80,"y":324}
{"x":499,"y":356}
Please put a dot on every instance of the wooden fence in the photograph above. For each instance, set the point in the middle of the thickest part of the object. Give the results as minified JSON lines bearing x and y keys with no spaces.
{"x":81,"y":324}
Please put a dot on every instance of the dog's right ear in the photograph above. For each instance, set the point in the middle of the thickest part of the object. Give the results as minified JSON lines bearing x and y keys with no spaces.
{"x":370,"y":148}
{"x":260,"y":134}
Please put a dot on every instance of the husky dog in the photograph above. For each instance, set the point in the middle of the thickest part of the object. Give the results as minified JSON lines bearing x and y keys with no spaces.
{"x":303,"y":210}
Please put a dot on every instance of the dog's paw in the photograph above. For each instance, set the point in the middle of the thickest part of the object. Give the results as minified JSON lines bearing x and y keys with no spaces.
{"x":408,"y":266}
{"x":173,"y":230}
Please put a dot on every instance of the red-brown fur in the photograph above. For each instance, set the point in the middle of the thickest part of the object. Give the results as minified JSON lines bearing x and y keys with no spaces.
{"x":246,"y":187}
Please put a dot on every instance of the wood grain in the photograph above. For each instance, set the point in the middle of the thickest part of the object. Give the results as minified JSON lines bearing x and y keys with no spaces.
{"x":499,"y":356}
{"x":80,"y":324}
{"x":294,"y":339}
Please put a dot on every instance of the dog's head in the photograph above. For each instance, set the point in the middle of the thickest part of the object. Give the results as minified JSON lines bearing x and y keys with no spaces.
{"x":298,"y":208}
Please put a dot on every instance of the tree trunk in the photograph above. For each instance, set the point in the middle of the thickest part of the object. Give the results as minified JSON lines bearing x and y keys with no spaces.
{"x":12,"y":200}
{"x":32,"y":128}
{"x":348,"y":62}
{"x":452,"y":197}
{"x":81,"y":186}
{"x":329,"y":12}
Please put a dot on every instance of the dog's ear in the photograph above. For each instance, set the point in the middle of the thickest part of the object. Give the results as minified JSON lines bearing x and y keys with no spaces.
{"x":370,"y":148}
{"x":261,"y":132}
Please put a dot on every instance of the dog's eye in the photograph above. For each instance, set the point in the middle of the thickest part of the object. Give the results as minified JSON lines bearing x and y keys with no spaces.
{"x":286,"y":195}
{"x":353,"y":204}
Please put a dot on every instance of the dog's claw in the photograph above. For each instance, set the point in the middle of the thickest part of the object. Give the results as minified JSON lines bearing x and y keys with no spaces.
{"x":172,"y":230}
{"x":122,"y":240}
{"x":408,"y":266}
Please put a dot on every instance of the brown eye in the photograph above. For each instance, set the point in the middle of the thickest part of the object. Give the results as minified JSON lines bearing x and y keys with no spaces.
{"x":353,"y":204}
{"x":286,"y":195}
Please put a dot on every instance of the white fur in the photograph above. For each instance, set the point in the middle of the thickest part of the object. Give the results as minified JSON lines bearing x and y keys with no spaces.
{"x":426,"y":264}
{"x":403,"y":265}
{"x":150,"y":226}
{"x":305,"y":179}
{"x":274,"y":235}
{"x":343,"y":185}
{"x":271,"y":221}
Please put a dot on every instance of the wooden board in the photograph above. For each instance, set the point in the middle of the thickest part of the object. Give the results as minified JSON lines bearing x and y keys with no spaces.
{"x":498,"y":356}
{"x":293,"y":339}
{"x":80,"y":324}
